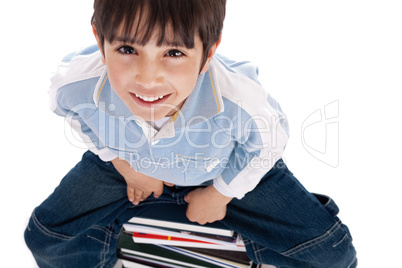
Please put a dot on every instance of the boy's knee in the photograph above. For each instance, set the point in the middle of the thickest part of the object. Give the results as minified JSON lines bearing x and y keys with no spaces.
{"x":39,"y":239}
{"x":27,"y":236}
{"x":32,"y":240}
{"x":33,"y":237}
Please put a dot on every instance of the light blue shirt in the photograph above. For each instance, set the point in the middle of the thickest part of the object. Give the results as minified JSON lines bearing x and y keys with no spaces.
{"x":229,"y":131}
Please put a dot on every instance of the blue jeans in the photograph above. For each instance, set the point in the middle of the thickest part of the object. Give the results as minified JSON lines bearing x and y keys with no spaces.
{"x":282,"y":224}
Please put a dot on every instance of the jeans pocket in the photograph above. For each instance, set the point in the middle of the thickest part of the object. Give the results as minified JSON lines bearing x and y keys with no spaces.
{"x":332,"y":249}
{"x":101,"y":234}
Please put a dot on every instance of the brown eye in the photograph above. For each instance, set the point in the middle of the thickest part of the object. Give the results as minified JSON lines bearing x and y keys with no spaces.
{"x":127,"y":50}
{"x":174,"y":53}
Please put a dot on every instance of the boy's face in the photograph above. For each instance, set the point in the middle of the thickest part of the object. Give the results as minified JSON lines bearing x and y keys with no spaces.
{"x":153,"y":81}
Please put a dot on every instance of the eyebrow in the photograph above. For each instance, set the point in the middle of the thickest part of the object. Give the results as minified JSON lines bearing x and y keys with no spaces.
{"x":122,"y":39}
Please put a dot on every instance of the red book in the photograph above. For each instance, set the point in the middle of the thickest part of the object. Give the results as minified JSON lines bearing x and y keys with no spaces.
{"x":167,"y":238}
{"x":151,"y":235}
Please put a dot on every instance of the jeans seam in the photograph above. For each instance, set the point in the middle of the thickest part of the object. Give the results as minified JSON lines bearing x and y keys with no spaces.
{"x":106,"y":248}
{"x":46,"y":231}
{"x":340,"y":241}
{"x":354,"y":263}
{"x":314,"y":241}
{"x":106,"y":244}
{"x":102,"y":228}
{"x":257,"y":254}
{"x":255,"y":248}
{"x":151,"y":203}
{"x":94,"y":238}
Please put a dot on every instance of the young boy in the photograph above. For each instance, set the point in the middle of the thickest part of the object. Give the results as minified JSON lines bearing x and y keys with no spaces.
{"x":169,"y":122}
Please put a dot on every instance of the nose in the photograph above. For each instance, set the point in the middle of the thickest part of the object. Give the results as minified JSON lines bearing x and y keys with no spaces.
{"x":147,"y":74}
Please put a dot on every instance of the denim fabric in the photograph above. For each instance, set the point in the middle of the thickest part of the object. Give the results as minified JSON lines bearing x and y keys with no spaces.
{"x":285,"y":225}
{"x":282,"y":224}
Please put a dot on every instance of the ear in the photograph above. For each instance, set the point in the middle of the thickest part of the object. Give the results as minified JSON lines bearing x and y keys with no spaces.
{"x":211,"y":53}
{"x":100,"y":45}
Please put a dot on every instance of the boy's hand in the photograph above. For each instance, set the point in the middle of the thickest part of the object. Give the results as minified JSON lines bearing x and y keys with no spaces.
{"x":206,"y":205}
{"x":139,"y":186}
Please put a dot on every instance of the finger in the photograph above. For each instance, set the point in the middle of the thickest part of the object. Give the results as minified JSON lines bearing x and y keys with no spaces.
{"x":137,"y":196}
{"x":190,"y":216}
{"x":168,"y":184}
{"x":145,"y":195}
{"x":187,"y":198}
{"x":195,"y":218}
{"x":130,"y":193}
{"x":158,"y":192}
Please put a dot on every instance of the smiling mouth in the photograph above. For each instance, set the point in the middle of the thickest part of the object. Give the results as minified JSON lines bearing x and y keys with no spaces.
{"x":149,"y":99}
{"x":149,"y":102}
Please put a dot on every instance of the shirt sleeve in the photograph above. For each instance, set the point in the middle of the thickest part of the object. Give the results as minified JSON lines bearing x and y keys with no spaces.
{"x":88,"y":138}
{"x":80,"y":112}
{"x":258,"y":128}
{"x":71,"y":96}
{"x":255,"y":153}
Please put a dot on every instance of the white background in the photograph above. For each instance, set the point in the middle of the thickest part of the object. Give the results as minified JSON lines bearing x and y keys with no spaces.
{"x":310,"y":53}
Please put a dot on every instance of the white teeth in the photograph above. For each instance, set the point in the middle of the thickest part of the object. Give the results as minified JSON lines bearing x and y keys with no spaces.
{"x":149,"y":99}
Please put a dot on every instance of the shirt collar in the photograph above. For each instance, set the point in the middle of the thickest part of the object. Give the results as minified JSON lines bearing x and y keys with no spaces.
{"x":108,"y":101}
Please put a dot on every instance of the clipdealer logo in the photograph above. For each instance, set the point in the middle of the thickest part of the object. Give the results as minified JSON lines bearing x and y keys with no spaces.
{"x":320,"y":134}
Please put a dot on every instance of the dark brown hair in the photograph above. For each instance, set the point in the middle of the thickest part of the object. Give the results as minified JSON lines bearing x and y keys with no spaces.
{"x":186,"y":18}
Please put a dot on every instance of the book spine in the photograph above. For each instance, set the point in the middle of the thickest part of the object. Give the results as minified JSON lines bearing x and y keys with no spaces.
{"x":140,"y":229}
{"x":137,"y":235}
{"x":181,"y":226}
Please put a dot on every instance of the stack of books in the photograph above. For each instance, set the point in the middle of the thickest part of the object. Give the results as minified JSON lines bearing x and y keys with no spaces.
{"x":149,"y":241}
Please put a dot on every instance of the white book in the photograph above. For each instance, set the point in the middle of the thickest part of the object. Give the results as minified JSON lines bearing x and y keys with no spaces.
{"x":129,"y":264}
{"x":182,"y":226}
{"x":148,"y":232}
